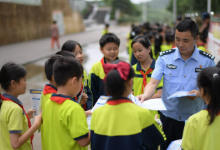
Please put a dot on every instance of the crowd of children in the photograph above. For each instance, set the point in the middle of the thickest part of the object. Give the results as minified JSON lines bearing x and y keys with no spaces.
{"x":69,"y":96}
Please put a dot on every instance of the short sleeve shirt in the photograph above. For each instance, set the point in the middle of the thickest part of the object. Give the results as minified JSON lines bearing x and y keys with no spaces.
{"x":12,"y":120}
{"x":63,"y":125}
{"x":181,"y":75}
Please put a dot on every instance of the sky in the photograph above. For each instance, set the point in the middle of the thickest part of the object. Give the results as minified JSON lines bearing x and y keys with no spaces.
{"x":139,"y":1}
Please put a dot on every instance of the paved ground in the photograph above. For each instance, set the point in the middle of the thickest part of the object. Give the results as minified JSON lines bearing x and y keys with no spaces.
{"x":27,"y":53}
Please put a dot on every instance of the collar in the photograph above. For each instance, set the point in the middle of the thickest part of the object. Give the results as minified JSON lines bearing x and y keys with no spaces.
{"x":60,"y":98}
{"x":193,"y":56}
{"x":121,"y":100}
{"x":103,"y":61}
{"x":49,"y":89}
{"x":14,"y":99}
{"x":205,"y":107}
{"x":151,"y":66}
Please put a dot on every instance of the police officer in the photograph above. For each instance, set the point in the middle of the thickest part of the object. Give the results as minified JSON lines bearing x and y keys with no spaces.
{"x":180,"y":67}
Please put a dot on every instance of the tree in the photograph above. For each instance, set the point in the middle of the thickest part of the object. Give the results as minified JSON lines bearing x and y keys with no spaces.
{"x":184,"y":6}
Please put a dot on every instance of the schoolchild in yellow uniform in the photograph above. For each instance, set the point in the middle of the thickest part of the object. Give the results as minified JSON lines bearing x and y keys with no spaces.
{"x":144,"y":68}
{"x":76,"y":49}
{"x":64,"y":120}
{"x":109,"y":46}
{"x":201,"y":131}
{"x":168,"y":42}
{"x":120,"y":124}
{"x":51,"y":88}
{"x":200,"y":43}
{"x":106,"y":29}
{"x":16,"y":131}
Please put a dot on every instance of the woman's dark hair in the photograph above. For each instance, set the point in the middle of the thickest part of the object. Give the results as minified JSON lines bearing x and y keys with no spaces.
{"x":70,"y":46}
{"x":114,"y":84}
{"x":209,"y":80}
{"x":158,"y":42}
{"x":136,"y":31}
{"x":0,"y":101}
{"x":144,"y":41}
{"x":11,"y":71}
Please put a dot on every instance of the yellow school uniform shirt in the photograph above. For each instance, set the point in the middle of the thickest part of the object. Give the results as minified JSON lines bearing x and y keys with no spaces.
{"x":63,"y":124}
{"x":165,"y":47}
{"x":202,"y":47}
{"x":12,"y":120}
{"x":138,"y":81}
{"x":198,"y":135}
{"x":122,"y":125}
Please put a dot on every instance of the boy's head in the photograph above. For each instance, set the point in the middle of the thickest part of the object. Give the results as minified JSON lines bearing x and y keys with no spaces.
{"x":68,"y":74}
{"x":106,"y":26}
{"x":109,"y":46}
{"x":66,"y":54}
{"x":201,"y":39}
{"x":49,"y":67}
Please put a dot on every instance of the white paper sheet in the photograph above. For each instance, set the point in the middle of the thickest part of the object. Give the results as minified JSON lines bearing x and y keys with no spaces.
{"x":175,"y":145}
{"x":154,"y":104}
{"x":180,"y":94}
{"x":35,"y":99}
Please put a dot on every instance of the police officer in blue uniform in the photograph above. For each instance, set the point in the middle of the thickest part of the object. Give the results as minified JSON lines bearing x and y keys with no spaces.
{"x":180,"y":67}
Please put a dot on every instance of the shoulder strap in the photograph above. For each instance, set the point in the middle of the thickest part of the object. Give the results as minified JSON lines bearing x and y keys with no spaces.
{"x":207,"y":55}
{"x":167,"y":52}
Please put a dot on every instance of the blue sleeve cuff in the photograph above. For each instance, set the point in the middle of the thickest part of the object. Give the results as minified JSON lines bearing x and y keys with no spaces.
{"x":15,"y":131}
{"x":81,"y":137}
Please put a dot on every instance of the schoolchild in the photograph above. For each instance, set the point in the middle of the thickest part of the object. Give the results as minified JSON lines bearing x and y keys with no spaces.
{"x":201,"y":43}
{"x":64,"y":121}
{"x":106,"y":29}
{"x":76,"y":49}
{"x":16,"y":131}
{"x":109,"y":47}
{"x":158,"y":42}
{"x":50,"y":88}
{"x":120,"y":124}
{"x":202,"y":129}
{"x":168,"y":42}
{"x":144,"y":67}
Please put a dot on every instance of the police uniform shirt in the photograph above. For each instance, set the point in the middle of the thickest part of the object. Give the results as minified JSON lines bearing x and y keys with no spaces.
{"x":181,"y":75}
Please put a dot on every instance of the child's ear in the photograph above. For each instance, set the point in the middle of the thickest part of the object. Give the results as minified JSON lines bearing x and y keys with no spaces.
{"x":101,"y":49}
{"x":73,"y":81}
{"x":130,"y":82}
{"x":149,"y":48}
{"x":202,"y":92}
{"x":13,"y":83}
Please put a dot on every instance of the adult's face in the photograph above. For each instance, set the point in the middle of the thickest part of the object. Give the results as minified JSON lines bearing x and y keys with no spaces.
{"x":185,"y":42}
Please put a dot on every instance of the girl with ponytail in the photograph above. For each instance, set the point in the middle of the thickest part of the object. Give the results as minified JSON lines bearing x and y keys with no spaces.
{"x":202,"y":129}
{"x":16,"y":131}
{"x":120,"y":124}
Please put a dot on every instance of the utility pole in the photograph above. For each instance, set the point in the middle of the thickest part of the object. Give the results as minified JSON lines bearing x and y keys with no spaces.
{"x":209,"y":6}
{"x":174,"y":10}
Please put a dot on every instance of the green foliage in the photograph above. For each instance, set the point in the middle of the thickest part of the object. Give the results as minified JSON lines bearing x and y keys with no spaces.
{"x":125,"y":6}
{"x":184,"y":6}
{"x":128,"y":19}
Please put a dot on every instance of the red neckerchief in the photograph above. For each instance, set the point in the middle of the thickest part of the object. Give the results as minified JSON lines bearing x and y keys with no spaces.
{"x":29,"y":122}
{"x":116,"y":102}
{"x":59,"y":98}
{"x":49,"y":89}
{"x":173,"y":46}
{"x":145,"y":78}
{"x":201,"y":44}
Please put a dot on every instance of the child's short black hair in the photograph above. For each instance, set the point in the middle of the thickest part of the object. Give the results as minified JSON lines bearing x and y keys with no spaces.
{"x":49,"y":66}
{"x":66,"y":54}
{"x":65,"y":68}
{"x":188,"y":25}
{"x":106,"y":25}
{"x":109,"y":38}
{"x":11,"y":71}
{"x":70,"y":46}
{"x":114,"y":84}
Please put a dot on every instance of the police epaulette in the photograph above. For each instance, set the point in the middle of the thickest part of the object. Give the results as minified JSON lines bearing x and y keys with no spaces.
{"x":207,"y":55}
{"x":167,"y":52}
